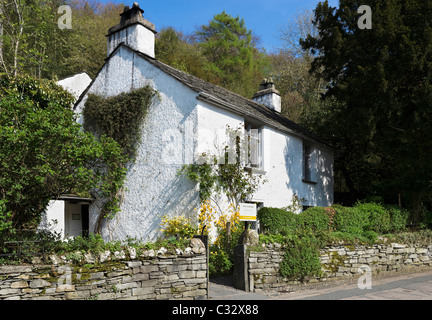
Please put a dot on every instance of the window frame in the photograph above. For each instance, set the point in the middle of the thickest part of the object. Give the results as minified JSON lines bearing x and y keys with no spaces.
{"x":249,"y":126}
{"x":307,"y":163}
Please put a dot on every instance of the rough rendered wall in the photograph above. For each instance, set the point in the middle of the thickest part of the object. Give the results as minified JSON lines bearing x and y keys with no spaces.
{"x":283,"y":165}
{"x":153,"y":187}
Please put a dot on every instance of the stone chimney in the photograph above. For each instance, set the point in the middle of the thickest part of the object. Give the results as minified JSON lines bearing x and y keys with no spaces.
{"x":268,"y":95}
{"x":134,"y":31}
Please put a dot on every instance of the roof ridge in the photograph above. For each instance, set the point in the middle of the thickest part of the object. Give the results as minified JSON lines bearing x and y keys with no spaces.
{"x":238,"y":104}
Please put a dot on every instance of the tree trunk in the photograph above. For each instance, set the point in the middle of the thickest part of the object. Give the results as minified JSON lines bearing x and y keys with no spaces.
{"x":1,"y":38}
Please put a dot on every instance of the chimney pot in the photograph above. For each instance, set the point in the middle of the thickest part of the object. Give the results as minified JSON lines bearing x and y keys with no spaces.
{"x":134,"y":31}
{"x":268,"y":95}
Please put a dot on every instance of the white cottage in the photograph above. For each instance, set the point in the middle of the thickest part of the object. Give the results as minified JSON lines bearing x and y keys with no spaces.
{"x":185,"y":119}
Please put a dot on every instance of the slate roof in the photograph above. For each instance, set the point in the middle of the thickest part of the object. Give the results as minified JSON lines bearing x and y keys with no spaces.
{"x":251,"y":110}
{"x":229,"y":100}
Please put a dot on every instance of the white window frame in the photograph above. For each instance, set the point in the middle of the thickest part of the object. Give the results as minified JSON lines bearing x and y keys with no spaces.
{"x":254,"y":136}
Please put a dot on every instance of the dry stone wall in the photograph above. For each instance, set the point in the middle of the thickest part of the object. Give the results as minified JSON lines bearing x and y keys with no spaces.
{"x":337,"y":262}
{"x":154,"y":275}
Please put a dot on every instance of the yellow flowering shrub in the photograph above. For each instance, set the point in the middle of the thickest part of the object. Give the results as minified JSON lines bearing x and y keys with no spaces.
{"x":180,"y":227}
{"x":210,"y":218}
{"x":232,"y":215}
{"x":222,"y":248}
{"x":206,"y":217}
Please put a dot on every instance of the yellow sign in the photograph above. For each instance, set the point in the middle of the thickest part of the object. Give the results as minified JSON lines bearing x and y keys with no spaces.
{"x":248,"y":212}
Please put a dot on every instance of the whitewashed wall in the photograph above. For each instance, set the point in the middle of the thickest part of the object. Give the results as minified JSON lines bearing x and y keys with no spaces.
{"x":153,"y":187}
{"x":179,"y":127}
{"x":283,"y":164}
{"x":283,"y":160}
{"x":53,"y":218}
{"x":75,"y":84}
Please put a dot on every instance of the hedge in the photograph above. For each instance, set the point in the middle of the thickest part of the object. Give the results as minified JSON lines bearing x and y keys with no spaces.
{"x":315,"y":219}
{"x":304,"y":233}
{"x":277,"y":221}
{"x":360,"y":219}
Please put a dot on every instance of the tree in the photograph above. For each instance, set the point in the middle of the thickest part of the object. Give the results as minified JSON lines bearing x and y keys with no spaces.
{"x":44,"y":152}
{"x":381,"y":79}
{"x":179,"y":51}
{"x":234,"y":61}
{"x":290,"y":68}
{"x":29,"y":35}
{"x":32,"y":43}
{"x":85,"y":48}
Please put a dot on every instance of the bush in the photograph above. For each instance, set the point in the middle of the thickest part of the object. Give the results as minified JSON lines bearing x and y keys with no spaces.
{"x":301,"y":259}
{"x":219,"y":262}
{"x":180,"y":227}
{"x":315,"y":219}
{"x":378,"y":216}
{"x":398,"y":217}
{"x":350,"y":220}
{"x":274,"y":220}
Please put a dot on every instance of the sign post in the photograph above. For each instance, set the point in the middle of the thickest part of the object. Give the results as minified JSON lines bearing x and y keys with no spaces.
{"x":248,"y":212}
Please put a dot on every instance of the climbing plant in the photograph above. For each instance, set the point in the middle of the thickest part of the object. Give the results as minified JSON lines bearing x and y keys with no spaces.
{"x":119,"y":118}
{"x":225,"y":174}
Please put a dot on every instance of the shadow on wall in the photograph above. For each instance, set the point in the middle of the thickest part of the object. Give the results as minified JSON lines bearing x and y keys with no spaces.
{"x":178,"y":198}
{"x":320,"y":191}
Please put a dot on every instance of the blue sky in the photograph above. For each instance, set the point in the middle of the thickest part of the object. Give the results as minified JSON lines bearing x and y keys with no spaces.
{"x":264,"y":18}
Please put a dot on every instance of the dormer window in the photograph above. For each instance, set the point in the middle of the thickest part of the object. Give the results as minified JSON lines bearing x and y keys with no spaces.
{"x":254,"y":144}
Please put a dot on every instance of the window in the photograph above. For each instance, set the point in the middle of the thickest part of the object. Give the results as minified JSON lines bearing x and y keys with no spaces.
{"x":307,"y":163}
{"x":254,"y":144}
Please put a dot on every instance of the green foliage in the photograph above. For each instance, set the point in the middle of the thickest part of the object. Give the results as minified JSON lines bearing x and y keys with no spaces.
{"x":33,"y":44}
{"x":274,"y":220}
{"x":304,"y":234}
{"x":44,"y":152}
{"x":301,"y":259}
{"x":220,"y":262}
{"x":275,"y":238}
{"x":176,"y":50}
{"x":233,"y":59}
{"x":315,"y":219}
{"x":365,"y":220}
{"x":84,"y":47}
{"x":93,"y":243}
{"x":378,"y":216}
{"x":381,"y":82}
{"x":398,"y":217}
{"x":350,"y":220}
{"x":119,"y":117}
{"x":5,"y":221}
{"x":204,"y":175}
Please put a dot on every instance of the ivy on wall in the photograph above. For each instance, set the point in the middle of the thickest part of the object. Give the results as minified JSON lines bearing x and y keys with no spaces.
{"x":225,"y":173}
{"x":119,"y":118}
